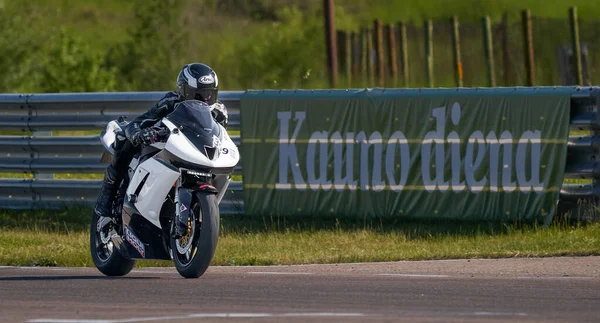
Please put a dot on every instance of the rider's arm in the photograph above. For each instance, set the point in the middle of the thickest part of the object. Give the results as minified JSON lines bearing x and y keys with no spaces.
{"x":160,"y":109}
{"x":139,"y":131}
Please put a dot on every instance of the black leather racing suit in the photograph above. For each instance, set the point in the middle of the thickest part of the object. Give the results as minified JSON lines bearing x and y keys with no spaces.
{"x":126,"y":148}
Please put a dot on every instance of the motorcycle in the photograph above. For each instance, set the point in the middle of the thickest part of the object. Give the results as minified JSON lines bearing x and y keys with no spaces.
{"x":167,"y":206}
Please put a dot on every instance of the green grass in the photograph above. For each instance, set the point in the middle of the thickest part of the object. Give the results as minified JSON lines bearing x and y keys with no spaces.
{"x":60,"y":238}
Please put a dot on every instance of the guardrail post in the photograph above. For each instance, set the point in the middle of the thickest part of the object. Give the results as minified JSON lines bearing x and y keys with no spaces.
{"x":42,"y":175}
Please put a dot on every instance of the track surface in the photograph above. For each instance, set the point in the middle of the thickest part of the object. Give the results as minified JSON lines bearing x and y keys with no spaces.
{"x":505,"y":290}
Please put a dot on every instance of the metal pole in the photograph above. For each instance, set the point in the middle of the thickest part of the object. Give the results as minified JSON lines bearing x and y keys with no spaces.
{"x":489,"y":51}
{"x":458,"y":69}
{"x":330,"y":41}
{"x":529,"y":56}
{"x":576,"y":46}
{"x":36,"y":134}
{"x":429,"y":51}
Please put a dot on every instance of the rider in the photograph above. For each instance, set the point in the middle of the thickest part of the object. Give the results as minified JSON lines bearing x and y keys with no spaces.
{"x":195,"y":82}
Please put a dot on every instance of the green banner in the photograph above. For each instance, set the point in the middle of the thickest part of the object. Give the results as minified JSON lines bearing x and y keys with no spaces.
{"x":481,"y":154}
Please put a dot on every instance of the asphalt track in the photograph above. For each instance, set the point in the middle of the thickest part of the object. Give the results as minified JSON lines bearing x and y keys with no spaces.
{"x":506,"y":290}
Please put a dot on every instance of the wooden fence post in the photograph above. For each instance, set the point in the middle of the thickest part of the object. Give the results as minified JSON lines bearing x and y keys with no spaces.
{"x":529,"y":55}
{"x":379,"y":50}
{"x":404,"y":53}
{"x":392,"y":54}
{"x":364,"y":56}
{"x":429,"y":51}
{"x":355,"y":57}
{"x":330,"y":41}
{"x":489,"y":51}
{"x":348,"y":58}
{"x":507,"y":64}
{"x":458,"y":69}
{"x":576,"y":45}
{"x":370,"y":63}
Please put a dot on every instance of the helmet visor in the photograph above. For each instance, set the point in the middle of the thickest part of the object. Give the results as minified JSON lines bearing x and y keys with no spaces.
{"x":206,"y":95}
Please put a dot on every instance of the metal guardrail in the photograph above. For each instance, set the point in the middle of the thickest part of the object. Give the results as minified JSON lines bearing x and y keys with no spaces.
{"x":92,"y":111}
{"x":30,"y":154}
{"x":583,"y":154}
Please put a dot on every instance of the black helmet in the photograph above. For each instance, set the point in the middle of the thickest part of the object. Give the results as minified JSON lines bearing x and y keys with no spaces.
{"x":198,"y":82}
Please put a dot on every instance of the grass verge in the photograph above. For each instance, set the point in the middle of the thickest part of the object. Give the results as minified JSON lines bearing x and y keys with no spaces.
{"x":60,"y":238}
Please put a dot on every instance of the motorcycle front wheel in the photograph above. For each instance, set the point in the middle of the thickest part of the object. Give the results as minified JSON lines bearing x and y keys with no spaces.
{"x":105,"y":255}
{"x":193,"y":252}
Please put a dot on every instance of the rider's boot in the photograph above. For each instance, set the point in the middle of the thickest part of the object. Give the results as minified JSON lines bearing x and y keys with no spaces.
{"x":110,"y":185}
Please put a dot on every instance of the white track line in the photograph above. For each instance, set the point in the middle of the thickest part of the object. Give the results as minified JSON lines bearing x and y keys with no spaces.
{"x":153,"y":271}
{"x":38,"y":268}
{"x":555,"y":277}
{"x":413,"y":275}
{"x":498,"y":314}
{"x":277,"y":273}
{"x":204,"y":315}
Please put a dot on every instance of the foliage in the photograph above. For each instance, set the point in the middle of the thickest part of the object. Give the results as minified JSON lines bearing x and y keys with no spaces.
{"x":153,"y":49}
{"x":285,"y":55}
{"x":53,"y":61}
{"x":139,"y":45}
{"x":70,"y":66}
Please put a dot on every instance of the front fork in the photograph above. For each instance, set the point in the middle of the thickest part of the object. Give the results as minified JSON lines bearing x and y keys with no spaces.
{"x":183,"y":205}
{"x":183,"y":202}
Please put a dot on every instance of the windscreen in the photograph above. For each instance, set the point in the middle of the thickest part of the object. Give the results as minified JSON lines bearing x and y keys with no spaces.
{"x":195,"y":121}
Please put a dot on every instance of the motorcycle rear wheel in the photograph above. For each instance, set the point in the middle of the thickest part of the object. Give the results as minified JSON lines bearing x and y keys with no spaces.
{"x":192,"y":258}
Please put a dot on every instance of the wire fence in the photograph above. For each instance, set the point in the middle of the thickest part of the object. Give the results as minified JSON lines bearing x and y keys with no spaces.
{"x":406,"y":59}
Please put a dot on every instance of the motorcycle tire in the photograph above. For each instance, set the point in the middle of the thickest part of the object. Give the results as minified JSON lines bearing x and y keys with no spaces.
{"x":205,"y":219}
{"x":109,"y":261}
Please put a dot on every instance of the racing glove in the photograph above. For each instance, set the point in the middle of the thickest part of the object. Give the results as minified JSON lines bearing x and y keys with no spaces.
{"x":146,"y":136}
{"x":219,"y":113}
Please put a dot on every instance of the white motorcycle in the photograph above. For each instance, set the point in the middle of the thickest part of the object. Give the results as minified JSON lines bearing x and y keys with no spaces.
{"x":167,"y":205}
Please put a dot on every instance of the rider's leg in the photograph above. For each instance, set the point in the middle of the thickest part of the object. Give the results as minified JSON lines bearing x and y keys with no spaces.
{"x":113,"y":175}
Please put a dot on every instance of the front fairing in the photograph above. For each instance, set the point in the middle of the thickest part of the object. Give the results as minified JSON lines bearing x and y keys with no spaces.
{"x":195,"y":121}
{"x":197,"y":139}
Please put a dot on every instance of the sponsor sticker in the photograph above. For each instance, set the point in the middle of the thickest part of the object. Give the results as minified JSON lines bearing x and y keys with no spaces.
{"x":206,"y":79}
{"x":216,"y":141}
{"x":135,"y":242}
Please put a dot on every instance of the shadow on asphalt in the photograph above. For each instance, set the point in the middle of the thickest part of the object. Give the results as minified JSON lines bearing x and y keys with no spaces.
{"x":50,"y":278}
